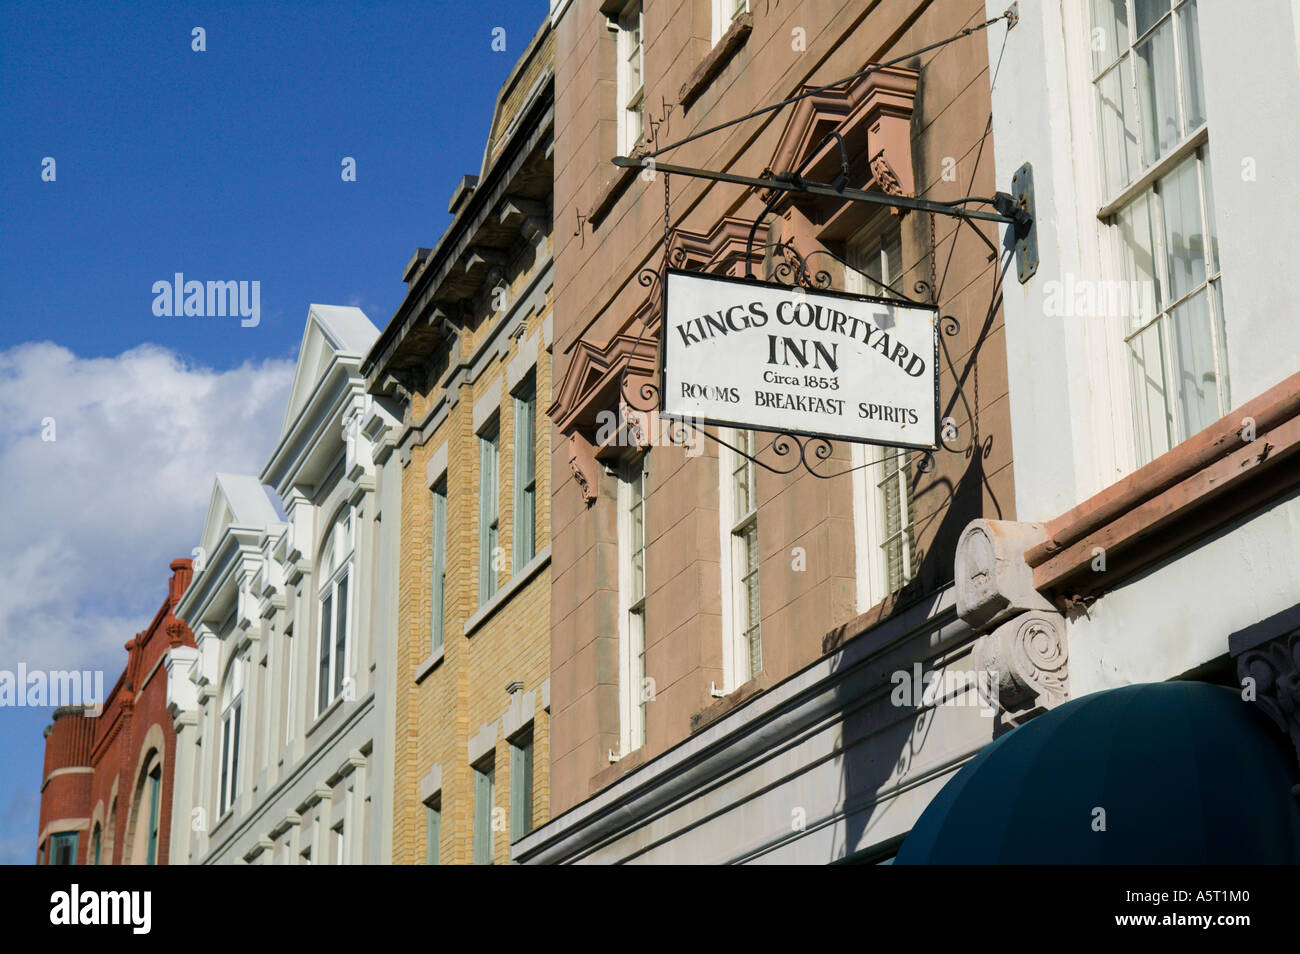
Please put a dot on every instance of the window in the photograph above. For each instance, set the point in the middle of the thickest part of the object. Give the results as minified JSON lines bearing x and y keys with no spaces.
{"x":339,"y":844}
{"x":525,"y":521}
{"x":232,"y":703}
{"x":1159,"y":213}
{"x":884,"y":509}
{"x":738,"y":497}
{"x":489,"y":458}
{"x":63,"y":848}
{"x":432,"y":830}
{"x":154,"y":785}
{"x":336,"y":567}
{"x":438,"y":603}
{"x":631,"y":598}
{"x":876,"y":260}
{"x":724,"y":12}
{"x":631,"y":81}
{"x":484,"y":793}
{"x":96,"y":840}
{"x":521,"y":785}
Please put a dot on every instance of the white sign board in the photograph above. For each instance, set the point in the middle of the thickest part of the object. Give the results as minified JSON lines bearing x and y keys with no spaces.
{"x":766,"y":357}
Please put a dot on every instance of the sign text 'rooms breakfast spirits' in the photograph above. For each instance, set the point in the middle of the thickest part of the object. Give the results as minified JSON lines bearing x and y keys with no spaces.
{"x":767,"y":357}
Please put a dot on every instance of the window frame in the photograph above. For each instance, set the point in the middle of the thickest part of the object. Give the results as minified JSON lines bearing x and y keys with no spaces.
{"x":438,"y":569}
{"x":63,"y":839}
{"x":1156,"y":429}
{"x":333,"y":654}
{"x":524,"y":521}
{"x":231,"y":722}
{"x":739,"y":534}
{"x":522,"y":783}
{"x":433,"y":830}
{"x":153,"y":779}
{"x":632,"y":496}
{"x":484,"y":779}
{"x":722,"y":20}
{"x":631,"y":101}
{"x":489,"y":506}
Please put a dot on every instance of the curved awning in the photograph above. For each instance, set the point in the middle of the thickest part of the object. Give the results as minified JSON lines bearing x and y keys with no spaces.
{"x":1158,"y":773}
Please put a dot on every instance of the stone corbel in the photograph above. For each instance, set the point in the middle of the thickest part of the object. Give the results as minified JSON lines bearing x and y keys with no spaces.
{"x":582,"y":461}
{"x":994,"y":583}
{"x":1028,"y":659}
{"x":1025,"y":645}
{"x":1270,"y":668}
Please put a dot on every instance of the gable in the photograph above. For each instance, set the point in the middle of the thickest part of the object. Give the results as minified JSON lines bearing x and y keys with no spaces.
{"x":333,"y":331}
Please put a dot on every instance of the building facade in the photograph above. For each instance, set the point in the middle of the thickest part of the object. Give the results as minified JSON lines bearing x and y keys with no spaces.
{"x":106,"y":793}
{"x":281,"y":707}
{"x":725,"y":627}
{"x":467,"y":357}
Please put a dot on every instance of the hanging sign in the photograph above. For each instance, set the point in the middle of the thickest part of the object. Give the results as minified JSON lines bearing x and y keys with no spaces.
{"x":767,"y":357}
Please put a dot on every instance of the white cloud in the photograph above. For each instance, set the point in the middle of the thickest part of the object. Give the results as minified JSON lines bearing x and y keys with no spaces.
{"x":89,"y":521}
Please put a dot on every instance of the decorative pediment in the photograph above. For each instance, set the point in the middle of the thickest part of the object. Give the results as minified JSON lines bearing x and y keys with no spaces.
{"x":332,"y":331}
{"x":237,"y":500}
{"x":873,"y":115}
{"x":720,"y":251}
{"x":594,"y":376}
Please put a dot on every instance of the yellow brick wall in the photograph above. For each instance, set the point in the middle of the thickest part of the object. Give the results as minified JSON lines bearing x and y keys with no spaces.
{"x":436,"y":718}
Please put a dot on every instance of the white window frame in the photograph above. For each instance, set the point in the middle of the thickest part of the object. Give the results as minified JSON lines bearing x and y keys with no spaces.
{"x":724,"y":14}
{"x":631,"y":606}
{"x":874,"y":254}
{"x":336,"y":561}
{"x":232,"y":736}
{"x":630,"y":27}
{"x":1189,"y":145}
{"x":737,"y":666}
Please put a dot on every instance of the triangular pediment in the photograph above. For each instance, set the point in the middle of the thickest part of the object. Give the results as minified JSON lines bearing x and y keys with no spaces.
{"x":332,"y":332}
{"x":238,"y":500}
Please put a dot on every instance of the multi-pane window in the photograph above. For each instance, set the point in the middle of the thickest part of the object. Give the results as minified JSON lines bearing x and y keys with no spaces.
{"x":876,"y":268}
{"x":63,"y":848}
{"x":739,"y":493}
{"x":438,"y":601}
{"x":876,"y":261}
{"x":154,"y":785}
{"x":489,"y":511}
{"x":897,"y":544}
{"x":631,"y":591}
{"x":521,"y":785}
{"x":1159,"y":210}
{"x":334,"y":616}
{"x":232,"y":704}
{"x":484,"y":792}
{"x":432,"y":830}
{"x":525,"y":475}
{"x":631,"y":82}
{"x":724,"y":12}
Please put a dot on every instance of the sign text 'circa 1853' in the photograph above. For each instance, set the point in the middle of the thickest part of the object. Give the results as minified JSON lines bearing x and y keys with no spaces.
{"x":767,"y":357}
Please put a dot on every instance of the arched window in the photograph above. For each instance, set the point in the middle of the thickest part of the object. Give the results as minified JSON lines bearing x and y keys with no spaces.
{"x":153,"y":790}
{"x":232,"y":704}
{"x":96,"y":839}
{"x":333,"y":646}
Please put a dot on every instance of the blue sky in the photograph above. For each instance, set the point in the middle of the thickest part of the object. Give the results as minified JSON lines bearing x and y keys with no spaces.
{"x":224,"y":165}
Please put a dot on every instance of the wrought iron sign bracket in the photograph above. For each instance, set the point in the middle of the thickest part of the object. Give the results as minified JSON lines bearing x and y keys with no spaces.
{"x":1014,"y":209}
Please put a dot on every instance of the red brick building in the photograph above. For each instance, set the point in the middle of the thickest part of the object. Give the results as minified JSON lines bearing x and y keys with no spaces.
{"x":106,"y":791}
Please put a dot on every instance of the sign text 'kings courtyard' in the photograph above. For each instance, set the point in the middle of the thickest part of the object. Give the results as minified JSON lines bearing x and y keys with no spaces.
{"x":762,"y":356}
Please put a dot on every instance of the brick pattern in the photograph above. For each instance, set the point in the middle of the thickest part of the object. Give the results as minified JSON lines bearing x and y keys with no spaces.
{"x":101,"y":760}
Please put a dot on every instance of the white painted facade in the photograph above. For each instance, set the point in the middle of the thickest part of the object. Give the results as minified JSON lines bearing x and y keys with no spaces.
{"x":1072,"y":393}
{"x":283,"y":712}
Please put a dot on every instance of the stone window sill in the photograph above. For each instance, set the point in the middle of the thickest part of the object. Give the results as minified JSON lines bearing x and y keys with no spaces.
{"x":614,"y":188}
{"x":732,"y":701}
{"x":717,"y":58}
{"x":429,"y":665}
{"x":503,"y":595}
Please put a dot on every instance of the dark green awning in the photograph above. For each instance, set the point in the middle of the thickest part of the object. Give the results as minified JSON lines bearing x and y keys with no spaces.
{"x":1185,"y":772}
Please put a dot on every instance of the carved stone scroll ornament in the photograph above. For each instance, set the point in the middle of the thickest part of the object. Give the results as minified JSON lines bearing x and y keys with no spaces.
{"x":994,"y":583}
{"x":1271,"y":670}
{"x":1029,"y":658}
{"x":582,"y":461}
